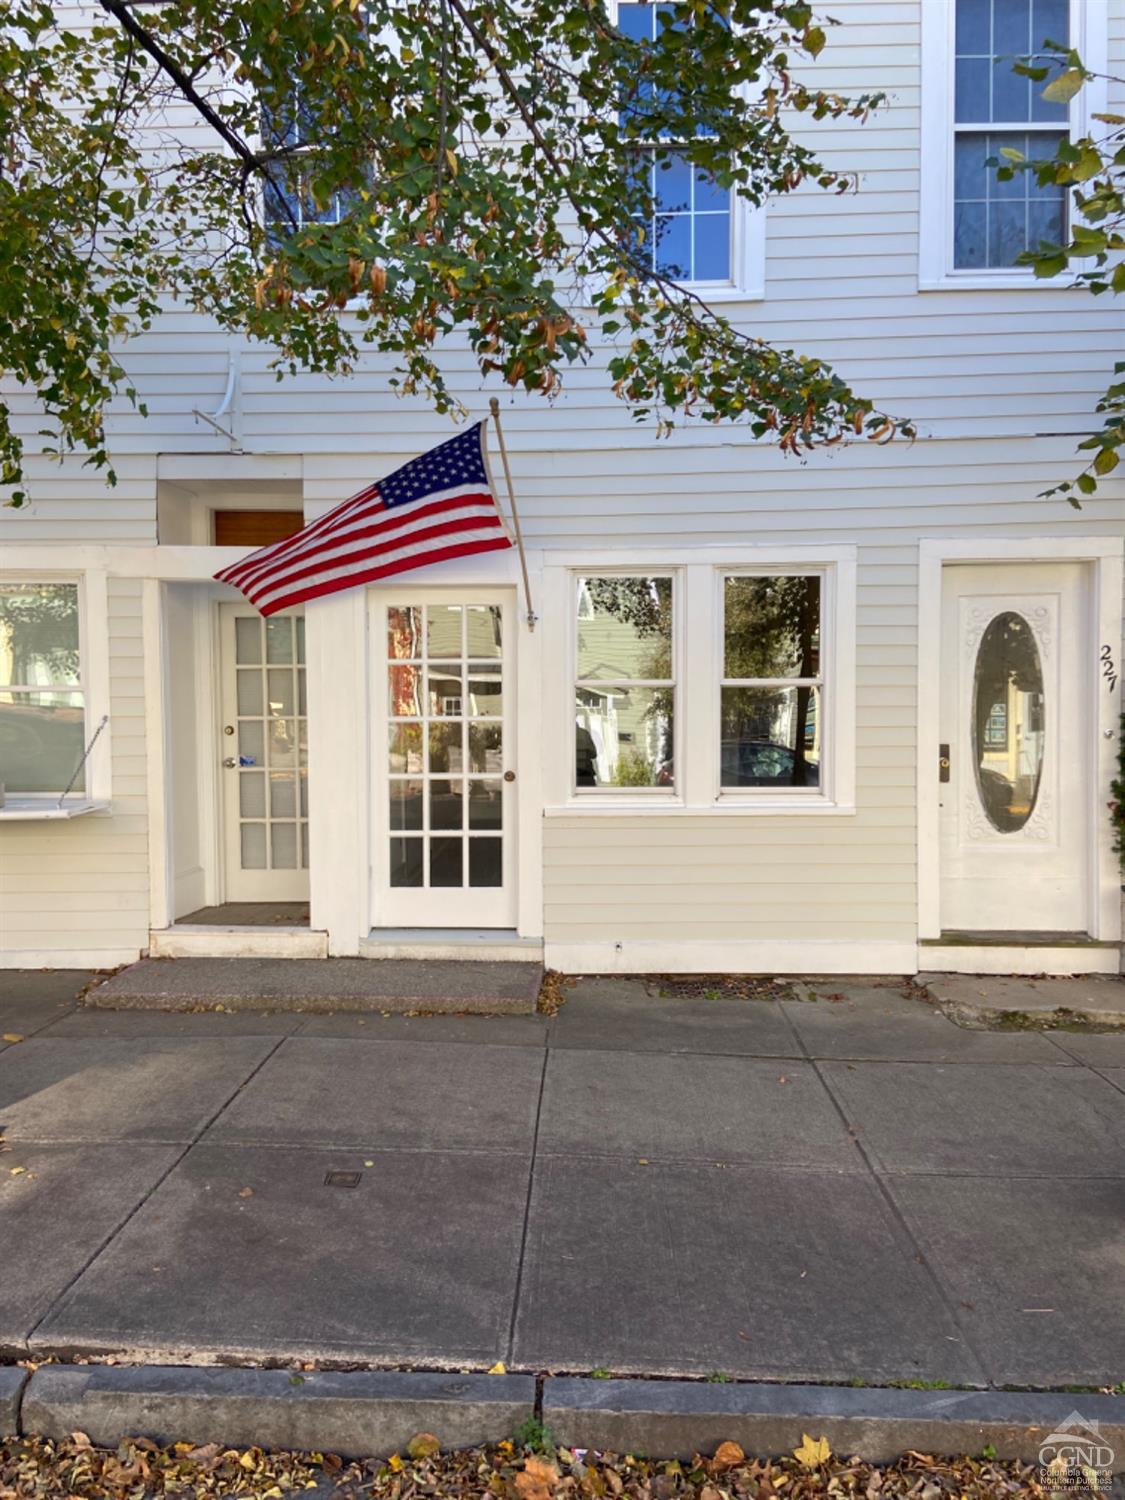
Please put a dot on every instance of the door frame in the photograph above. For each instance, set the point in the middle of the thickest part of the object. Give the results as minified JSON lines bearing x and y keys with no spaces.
{"x":1103,"y":555}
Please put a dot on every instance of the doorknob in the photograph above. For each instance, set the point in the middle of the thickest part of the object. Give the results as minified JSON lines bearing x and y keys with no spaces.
{"x":943,"y":762}
{"x":509,"y":776}
{"x":231,"y":762}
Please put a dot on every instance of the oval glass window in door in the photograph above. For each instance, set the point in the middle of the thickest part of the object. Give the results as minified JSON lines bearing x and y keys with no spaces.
{"x":1008,"y":721}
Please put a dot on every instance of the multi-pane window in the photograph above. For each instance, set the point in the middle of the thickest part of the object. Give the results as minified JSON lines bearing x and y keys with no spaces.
{"x":624,"y":688}
{"x":996,"y":108}
{"x":688,"y":234}
{"x":42,"y":705}
{"x":288,"y":198}
{"x":273,"y":782}
{"x":772,"y":686}
{"x":445,"y":747}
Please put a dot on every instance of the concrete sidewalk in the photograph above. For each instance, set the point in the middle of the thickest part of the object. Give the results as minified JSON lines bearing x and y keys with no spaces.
{"x":847,"y":1188}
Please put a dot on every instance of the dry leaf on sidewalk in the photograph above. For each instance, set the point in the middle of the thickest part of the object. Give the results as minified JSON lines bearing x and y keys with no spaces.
{"x":538,"y":1480}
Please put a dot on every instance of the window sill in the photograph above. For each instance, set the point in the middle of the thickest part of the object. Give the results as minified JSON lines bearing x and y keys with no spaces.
{"x":760,"y":808}
{"x":28,"y":809}
{"x":1003,"y":281}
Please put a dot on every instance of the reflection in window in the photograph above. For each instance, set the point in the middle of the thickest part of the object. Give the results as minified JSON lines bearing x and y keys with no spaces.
{"x":996,"y":108}
{"x":42,"y":706}
{"x":770,"y":695}
{"x":687,"y":236}
{"x":624,"y":696}
{"x":1008,"y":722}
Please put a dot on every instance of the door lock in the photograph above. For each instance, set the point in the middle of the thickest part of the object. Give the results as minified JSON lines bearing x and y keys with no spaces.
{"x":231,"y":762}
{"x":943,"y":763}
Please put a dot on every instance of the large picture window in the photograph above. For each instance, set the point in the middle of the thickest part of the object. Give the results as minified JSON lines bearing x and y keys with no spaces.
{"x":772,"y":685}
{"x":42,"y":703}
{"x":624,"y":687}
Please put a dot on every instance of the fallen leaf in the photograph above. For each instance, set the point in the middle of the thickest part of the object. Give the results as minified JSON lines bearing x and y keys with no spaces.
{"x":246,"y":1460}
{"x":538,"y":1480}
{"x":499,"y":1368}
{"x":423,"y":1445}
{"x":369,"y":1164}
{"x":782,"y":1079}
{"x":810,"y":1453}
{"x":727,"y":1455}
{"x":246,"y":1192}
{"x":12,"y":1036}
{"x":17,"y":1171}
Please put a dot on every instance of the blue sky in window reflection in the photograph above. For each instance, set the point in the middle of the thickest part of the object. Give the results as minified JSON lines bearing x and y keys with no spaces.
{"x":995,"y":222}
{"x":688,"y":235}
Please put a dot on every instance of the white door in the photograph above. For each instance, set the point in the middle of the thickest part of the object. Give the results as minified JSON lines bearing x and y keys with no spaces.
{"x":1015,"y":817}
{"x":263,"y":750}
{"x":443,"y":757}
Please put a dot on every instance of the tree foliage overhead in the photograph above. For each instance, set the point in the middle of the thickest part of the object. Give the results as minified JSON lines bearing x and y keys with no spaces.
{"x":327,"y":174}
{"x":1092,"y":170}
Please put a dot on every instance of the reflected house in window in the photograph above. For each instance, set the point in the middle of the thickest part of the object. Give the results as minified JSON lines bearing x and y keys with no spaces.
{"x":42,"y":704}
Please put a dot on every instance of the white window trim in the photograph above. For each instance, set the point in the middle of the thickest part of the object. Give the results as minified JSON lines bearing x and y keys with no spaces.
{"x":1089,"y":32}
{"x":93,"y":675}
{"x":697,"y":623}
{"x":747,"y":281}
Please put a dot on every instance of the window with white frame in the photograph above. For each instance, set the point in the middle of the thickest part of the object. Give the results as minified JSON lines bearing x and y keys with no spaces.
{"x":771,"y":689}
{"x":42,"y":701}
{"x":698,"y":233}
{"x":287,"y":199}
{"x":624,"y":683}
{"x":975,"y":107}
{"x":995,"y":109}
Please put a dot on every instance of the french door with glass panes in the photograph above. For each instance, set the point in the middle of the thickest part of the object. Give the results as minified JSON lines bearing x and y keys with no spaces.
{"x":443,"y":758}
{"x":263,"y":749}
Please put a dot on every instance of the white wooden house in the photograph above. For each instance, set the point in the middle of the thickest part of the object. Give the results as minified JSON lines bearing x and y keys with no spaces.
{"x":918,"y":780}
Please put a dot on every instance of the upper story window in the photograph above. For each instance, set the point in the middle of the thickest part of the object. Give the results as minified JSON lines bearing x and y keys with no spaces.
{"x":288,"y":199}
{"x":995,"y":222}
{"x":974,"y":228}
{"x":42,"y":702}
{"x":698,"y":233}
{"x":688,"y":235}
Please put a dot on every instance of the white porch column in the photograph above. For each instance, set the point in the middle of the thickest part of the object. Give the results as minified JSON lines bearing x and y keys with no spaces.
{"x":339,"y":768}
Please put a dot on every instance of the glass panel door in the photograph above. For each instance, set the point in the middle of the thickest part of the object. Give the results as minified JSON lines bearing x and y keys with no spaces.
{"x":446,"y":767}
{"x":264,"y":747}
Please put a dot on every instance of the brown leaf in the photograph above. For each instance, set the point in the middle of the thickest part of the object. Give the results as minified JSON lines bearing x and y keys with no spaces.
{"x":13,"y":1036}
{"x":727,"y":1455}
{"x":538,"y":1480}
{"x":246,"y":1192}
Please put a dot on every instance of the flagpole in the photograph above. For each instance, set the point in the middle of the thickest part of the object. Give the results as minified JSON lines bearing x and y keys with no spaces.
{"x":494,"y":408}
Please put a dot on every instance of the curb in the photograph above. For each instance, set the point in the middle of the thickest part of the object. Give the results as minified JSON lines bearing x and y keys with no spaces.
{"x":357,"y":1414}
{"x":12,"y":1382}
{"x":679,"y":1418}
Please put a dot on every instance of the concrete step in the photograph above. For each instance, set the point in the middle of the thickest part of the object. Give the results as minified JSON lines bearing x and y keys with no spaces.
{"x":326,"y":984}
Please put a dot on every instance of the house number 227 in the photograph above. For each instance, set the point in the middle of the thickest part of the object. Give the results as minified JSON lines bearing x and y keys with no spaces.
{"x":1109,"y":671}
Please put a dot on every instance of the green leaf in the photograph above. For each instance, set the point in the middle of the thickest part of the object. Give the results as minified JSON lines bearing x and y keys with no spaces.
{"x":1061,"y":90}
{"x":1106,"y":461}
{"x":1087,"y":483}
{"x":814,"y":40}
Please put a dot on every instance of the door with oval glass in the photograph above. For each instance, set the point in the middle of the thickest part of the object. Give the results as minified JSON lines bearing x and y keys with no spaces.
{"x":263,"y":748}
{"x":1015,"y":818}
{"x":444,"y":758}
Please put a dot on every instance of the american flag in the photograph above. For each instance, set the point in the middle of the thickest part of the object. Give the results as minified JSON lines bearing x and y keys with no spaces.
{"x":435,"y":507}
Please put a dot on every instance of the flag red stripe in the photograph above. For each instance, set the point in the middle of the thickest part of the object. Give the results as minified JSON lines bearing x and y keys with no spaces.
{"x":283,"y":567}
{"x":277,"y":551}
{"x":370,"y":575}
